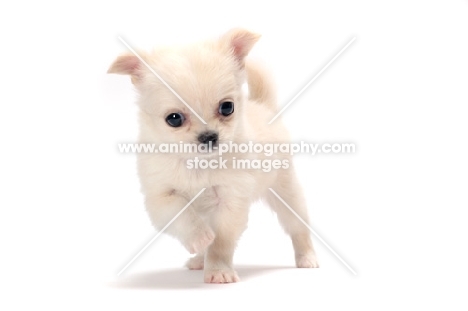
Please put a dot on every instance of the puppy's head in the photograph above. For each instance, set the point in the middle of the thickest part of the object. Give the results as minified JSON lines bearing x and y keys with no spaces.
{"x":186,"y":87}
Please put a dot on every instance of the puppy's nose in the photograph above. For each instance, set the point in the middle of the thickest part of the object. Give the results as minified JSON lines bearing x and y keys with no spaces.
{"x":208,"y":136}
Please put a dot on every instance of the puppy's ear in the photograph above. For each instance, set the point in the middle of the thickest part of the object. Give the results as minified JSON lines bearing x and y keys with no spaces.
{"x":127,"y":64}
{"x":239,"y":42}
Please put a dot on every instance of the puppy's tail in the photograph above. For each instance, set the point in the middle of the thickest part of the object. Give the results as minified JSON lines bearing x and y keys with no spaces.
{"x":261,"y":87}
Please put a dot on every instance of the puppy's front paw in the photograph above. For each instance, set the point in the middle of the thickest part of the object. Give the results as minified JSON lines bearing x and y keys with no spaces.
{"x":307,"y":261}
{"x":221,"y":276}
{"x":199,"y":241}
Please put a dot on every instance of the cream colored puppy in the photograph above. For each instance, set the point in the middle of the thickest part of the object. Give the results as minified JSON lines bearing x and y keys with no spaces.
{"x":209,"y":76}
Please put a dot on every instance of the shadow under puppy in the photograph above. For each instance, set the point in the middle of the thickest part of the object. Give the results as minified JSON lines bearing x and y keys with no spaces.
{"x":209,"y":76}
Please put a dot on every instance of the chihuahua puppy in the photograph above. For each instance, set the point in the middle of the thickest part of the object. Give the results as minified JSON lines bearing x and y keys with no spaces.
{"x":208,"y":77}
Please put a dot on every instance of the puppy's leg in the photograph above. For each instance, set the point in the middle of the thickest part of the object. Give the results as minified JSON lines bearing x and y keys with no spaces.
{"x":288,"y":188}
{"x":189,"y":228}
{"x":229,"y":222}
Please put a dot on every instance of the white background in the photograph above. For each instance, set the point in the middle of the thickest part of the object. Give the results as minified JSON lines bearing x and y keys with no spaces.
{"x":71,"y":213}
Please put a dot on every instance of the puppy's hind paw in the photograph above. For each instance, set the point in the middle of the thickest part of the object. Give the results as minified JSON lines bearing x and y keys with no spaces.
{"x":307,"y":261}
{"x":196,"y":263}
{"x":221,"y":276}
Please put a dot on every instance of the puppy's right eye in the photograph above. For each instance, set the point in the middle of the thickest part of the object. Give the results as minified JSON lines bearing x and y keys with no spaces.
{"x":175,"y":119}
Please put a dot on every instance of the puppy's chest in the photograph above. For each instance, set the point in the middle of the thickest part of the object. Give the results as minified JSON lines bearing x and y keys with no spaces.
{"x":204,"y":178}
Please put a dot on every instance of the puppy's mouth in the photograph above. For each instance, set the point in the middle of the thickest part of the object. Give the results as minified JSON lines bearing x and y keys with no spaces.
{"x":207,"y":149}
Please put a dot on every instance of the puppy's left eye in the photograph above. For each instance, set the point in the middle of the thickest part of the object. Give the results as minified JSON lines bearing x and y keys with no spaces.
{"x":226,"y":108}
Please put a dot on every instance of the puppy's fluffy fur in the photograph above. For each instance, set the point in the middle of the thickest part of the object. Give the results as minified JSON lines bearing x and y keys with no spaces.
{"x":204,"y":75}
